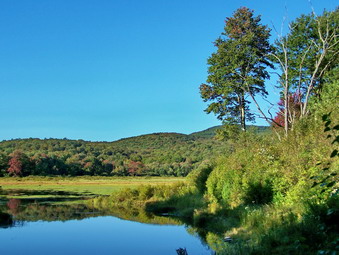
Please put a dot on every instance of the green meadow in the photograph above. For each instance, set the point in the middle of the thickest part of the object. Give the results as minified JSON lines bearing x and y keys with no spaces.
{"x":94,"y":185}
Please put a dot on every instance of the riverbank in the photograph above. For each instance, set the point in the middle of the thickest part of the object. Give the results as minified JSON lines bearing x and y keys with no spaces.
{"x":268,"y":196}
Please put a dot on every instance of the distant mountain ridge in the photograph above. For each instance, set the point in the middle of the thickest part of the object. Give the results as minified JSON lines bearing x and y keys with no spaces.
{"x":211,"y":132}
{"x":207,"y":133}
{"x":204,"y":134}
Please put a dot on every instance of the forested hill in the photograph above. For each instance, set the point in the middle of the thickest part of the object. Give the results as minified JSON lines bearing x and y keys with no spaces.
{"x":153,"y":154}
{"x":211,"y":132}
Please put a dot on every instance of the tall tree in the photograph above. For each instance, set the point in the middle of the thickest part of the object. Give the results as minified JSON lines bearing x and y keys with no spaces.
{"x":308,"y":58}
{"x":237,"y":70}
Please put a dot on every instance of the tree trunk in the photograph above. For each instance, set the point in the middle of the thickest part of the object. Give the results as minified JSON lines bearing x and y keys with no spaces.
{"x":242,"y":112}
{"x":286,"y":105}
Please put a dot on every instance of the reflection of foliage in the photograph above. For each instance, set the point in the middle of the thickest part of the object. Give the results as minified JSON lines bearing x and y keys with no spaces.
{"x":13,"y":206}
{"x":49,"y":212}
{"x":131,"y":204}
{"x":5,"y":220}
{"x":182,"y":251}
{"x":133,"y":213}
{"x":46,"y":205}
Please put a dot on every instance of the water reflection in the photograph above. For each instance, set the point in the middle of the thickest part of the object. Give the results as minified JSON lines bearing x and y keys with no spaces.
{"x":13,"y":205}
{"x":84,"y":225}
{"x":42,"y":196}
{"x":6,"y":220}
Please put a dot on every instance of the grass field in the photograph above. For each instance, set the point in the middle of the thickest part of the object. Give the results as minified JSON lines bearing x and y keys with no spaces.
{"x":95,"y":185}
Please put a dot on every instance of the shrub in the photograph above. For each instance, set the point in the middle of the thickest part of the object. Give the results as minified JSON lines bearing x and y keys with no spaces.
{"x":259,"y":193}
{"x":198,"y":176}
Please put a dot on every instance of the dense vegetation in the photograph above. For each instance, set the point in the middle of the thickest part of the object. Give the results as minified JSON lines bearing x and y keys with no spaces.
{"x":276,"y":193}
{"x":268,"y":193}
{"x":160,"y":154}
{"x":268,"y":196}
{"x":155,"y":154}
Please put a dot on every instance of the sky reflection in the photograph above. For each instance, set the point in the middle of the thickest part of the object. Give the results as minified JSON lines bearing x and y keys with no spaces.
{"x":99,"y":235}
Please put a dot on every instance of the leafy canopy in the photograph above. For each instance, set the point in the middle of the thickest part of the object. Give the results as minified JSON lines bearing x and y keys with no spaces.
{"x":238,"y":68}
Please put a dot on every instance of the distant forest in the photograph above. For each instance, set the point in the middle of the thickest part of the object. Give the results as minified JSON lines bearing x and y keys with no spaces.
{"x":159,"y":154}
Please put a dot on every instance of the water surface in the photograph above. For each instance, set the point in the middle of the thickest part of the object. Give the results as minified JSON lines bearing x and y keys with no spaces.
{"x":39,"y":227}
{"x":99,"y":235}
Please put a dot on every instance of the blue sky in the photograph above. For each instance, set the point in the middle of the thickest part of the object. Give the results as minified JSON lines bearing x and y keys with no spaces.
{"x":104,"y":70}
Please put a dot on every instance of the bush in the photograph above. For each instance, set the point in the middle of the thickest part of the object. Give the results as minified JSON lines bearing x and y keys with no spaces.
{"x":146,"y":192}
{"x":198,"y":176}
{"x":259,"y":193}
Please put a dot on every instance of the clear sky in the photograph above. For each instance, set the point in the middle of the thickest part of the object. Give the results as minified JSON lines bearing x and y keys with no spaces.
{"x":107,"y":69}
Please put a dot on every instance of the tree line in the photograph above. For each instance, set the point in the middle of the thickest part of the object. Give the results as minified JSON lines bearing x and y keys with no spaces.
{"x":166,"y":154}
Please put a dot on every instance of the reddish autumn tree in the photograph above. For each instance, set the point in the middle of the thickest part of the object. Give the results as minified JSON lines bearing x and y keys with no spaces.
{"x":15,"y":164}
{"x":293,"y":111}
{"x":135,"y":168}
{"x":19,"y":164}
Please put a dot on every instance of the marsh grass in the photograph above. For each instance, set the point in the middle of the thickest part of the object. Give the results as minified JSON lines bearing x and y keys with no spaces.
{"x":93,"y":185}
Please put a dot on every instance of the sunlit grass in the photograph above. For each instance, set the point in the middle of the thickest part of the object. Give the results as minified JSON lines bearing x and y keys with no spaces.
{"x":94,"y":185}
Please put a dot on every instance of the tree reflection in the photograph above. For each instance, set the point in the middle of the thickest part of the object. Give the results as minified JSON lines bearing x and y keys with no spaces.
{"x":13,"y":206}
{"x":5,"y":220}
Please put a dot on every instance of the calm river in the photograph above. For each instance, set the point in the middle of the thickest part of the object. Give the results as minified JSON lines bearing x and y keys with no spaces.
{"x":37,"y":227}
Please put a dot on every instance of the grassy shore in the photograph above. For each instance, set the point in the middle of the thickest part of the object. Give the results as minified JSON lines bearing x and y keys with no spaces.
{"x":95,"y":185}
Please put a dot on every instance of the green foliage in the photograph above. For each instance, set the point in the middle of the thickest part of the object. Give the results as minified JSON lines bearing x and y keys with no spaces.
{"x":228,"y":131}
{"x":327,"y":101}
{"x":161,"y":154}
{"x":198,"y":177}
{"x":4,"y":159}
{"x":308,"y":59}
{"x":249,"y":167}
{"x":328,"y":180}
{"x":271,"y":196}
{"x":237,"y":69}
{"x":309,"y":38}
{"x":259,"y":193}
{"x":178,"y":198}
{"x":278,"y":230}
{"x":208,"y":133}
